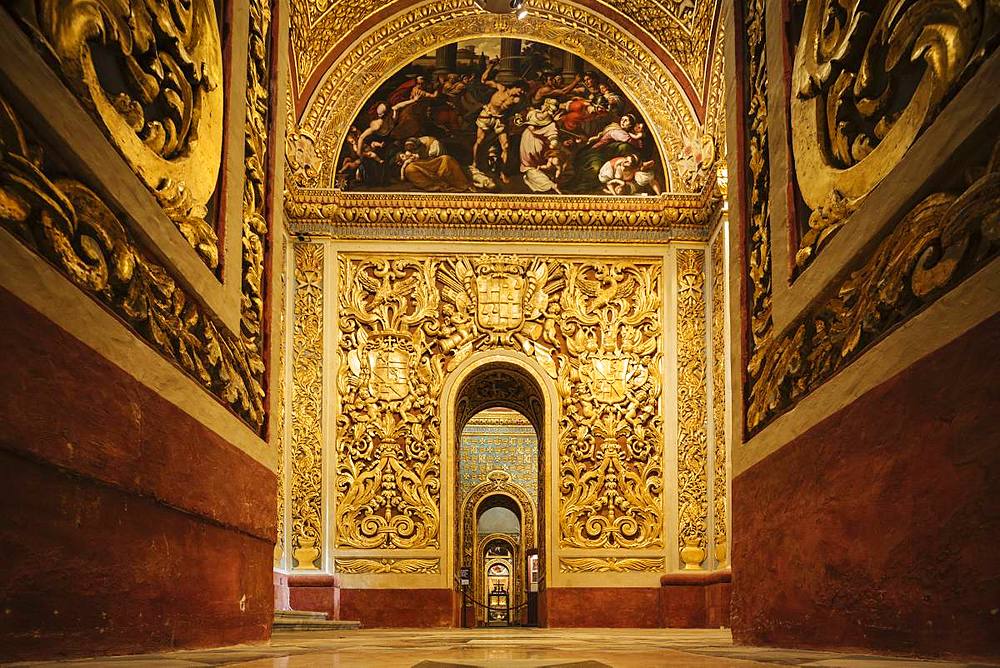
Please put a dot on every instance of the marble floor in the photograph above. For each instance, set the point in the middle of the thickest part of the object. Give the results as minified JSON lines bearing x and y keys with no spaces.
{"x":500,"y":648}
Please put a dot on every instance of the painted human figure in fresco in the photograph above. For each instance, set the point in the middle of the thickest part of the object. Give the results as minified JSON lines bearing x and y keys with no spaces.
{"x":493,"y":116}
{"x":626,"y":175}
{"x":423,"y":164}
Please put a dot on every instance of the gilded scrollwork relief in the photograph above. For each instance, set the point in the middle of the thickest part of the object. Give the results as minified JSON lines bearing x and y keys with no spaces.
{"x":307,"y":407}
{"x":255,"y":165}
{"x":66,"y":222}
{"x":940,"y":242}
{"x":593,"y":326}
{"x":611,"y":564}
{"x":279,"y":401}
{"x":376,"y":566}
{"x":720,"y":354}
{"x":151,"y":75}
{"x":868,"y":79}
{"x":692,"y":400}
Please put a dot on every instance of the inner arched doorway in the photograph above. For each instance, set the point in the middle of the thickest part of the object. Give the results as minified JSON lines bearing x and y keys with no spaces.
{"x":497,"y":431}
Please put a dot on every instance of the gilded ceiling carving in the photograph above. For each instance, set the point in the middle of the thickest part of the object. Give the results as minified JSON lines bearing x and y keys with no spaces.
{"x":593,"y":326}
{"x":162,"y":107}
{"x":867,"y":81}
{"x":682,"y":27}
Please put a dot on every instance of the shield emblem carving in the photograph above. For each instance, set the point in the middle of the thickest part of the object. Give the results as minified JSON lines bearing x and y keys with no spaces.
{"x":499,"y":302}
{"x":609,"y":378}
{"x":390,"y":374}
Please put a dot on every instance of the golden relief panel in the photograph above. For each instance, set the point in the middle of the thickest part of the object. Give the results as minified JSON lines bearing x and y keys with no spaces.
{"x":66,"y":222}
{"x":393,"y":43}
{"x":692,"y":401}
{"x":307,"y":407}
{"x":867,"y":80}
{"x":279,"y":400}
{"x":940,"y":242}
{"x":720,"y":354}
{"x":593,"y":326}
{"x":372,"y":566}
{"x":151,"y":75}
{"x":611,"y":564}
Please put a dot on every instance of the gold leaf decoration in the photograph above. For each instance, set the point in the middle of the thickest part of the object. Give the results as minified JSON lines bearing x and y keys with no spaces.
{"x":164,"y":110}
{"x":67,"y":223}
{"x":593,"y":326}
{"x":307,"y":407}
{"x":611,"y":564}
{"x":945,"y":238}
{"x":868,"y":79}
{"x":373,"y":566}
{"x":720,"y":354}
{"x":692,"y":399}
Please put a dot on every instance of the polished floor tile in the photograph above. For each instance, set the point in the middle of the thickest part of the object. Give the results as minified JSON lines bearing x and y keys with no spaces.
{"x":503,"y":648}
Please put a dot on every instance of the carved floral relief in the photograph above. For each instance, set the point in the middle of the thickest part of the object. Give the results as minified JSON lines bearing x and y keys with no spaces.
{"x":593,"y":326}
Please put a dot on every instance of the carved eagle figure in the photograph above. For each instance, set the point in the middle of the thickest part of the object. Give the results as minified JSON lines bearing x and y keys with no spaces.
{"x":605,"y":290}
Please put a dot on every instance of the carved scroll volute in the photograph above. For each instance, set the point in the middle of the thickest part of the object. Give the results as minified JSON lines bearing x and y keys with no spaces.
{"x":151,"y":71}
{"x":868,"y":78}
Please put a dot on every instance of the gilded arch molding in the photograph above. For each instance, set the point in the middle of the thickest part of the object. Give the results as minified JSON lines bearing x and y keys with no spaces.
{"x":393,"y":43}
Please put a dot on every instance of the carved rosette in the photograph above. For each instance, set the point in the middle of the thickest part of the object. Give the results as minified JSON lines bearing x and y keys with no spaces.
{"x":307,"y":407}
{"x":720,"y":485}
{"x":867,"y":80}
{"x":594,"y":327}
{"x":692,"y":400}
{"x":151,"y":75}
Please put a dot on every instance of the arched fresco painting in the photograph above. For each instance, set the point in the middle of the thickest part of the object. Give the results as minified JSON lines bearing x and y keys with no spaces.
{"x":498,"y":115}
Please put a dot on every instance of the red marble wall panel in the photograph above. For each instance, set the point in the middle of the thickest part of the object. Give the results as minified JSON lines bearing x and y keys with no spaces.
{"x":695,"y":599}
{"x":601,"y":607}
{"x":879,"y":528}
{"x":315,"y":593}
{"x":398,"y":608}
{"x":127,"y":526}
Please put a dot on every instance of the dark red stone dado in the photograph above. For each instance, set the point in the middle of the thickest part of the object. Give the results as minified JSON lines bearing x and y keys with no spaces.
{"x":395,"y":608}
{"x":605,"y":607}
{"x":128,"y":525}
{"x":879,"y":528}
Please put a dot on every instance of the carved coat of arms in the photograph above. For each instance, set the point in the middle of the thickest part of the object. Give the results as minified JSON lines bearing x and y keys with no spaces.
{"x":609,"y":375}
{"x":389,"y":361}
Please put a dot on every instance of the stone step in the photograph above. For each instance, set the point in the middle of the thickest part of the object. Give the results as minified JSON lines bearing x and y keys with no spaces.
{"x":320,"y":625}
{"x":301,"y":615}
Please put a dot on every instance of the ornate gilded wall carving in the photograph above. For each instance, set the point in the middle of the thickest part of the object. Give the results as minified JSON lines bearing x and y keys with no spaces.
{"x":278,"y":402}
{"x":692,"y":400}
{"x":151,"y":75}
{"x":611,"y":564}
{"x":868,"y":79}
{"x":373,"y":566}
{"x":720,"y":354}
{"x":756,"y":213}
{"x":255,"y":165}
{"x":307,"y":407}
{"x":64,"y":221}
{"x":594,"y":326}
{"x":933,"y":247}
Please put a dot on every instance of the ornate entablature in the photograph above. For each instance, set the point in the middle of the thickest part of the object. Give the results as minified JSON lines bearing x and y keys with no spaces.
{"x":594,"y":326}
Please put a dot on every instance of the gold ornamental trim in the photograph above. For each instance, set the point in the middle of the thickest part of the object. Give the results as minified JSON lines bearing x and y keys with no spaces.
{"x":307,"y":407}
{"x":720,"y":354}
{"x":64,"y":221}
{"x":373,"y":566}
{"x":940,"y":242}
{"x":692,"y":396}
{"x":611,"y":564}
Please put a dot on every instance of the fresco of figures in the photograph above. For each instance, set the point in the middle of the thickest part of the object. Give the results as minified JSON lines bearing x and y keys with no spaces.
{"x":536,"y":120}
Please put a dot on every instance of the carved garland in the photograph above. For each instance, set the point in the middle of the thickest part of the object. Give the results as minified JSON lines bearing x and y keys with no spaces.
{"x":307,"y":407}
{"x":692,"y":399}
{"x":67,"y":223}
{"x":593,"y":326}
